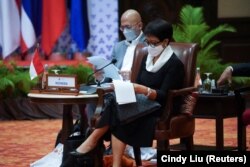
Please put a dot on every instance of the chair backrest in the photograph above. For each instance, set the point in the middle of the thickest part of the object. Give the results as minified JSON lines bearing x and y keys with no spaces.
{"x":186,"y":52}
{"x":140,"y":52}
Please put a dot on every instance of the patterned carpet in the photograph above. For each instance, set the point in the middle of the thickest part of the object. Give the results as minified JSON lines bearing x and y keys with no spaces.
{"x":23,"y":142}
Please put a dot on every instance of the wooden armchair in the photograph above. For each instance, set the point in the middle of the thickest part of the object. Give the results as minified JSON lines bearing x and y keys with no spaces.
{"x":169,"y":126}
{"x":180,"y":126}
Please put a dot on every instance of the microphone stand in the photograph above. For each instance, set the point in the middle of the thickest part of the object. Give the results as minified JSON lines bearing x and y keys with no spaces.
{"x":98,"y":82}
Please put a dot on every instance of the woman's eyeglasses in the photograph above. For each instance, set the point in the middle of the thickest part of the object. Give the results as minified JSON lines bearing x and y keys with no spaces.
{"x":153,"y":44}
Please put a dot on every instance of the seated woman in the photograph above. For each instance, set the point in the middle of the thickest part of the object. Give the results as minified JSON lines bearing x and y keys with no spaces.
{"x":160,"y":71}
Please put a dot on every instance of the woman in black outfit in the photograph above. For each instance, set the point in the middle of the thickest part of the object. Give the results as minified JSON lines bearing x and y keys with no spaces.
{"x":160,"y":71}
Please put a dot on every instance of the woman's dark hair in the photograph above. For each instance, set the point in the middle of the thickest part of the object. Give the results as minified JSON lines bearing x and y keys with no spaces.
{"x":159,"y":28}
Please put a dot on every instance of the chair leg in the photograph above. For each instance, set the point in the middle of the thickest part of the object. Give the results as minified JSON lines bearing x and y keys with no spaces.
{"x":163,"y":145}
{"x":98,"y":154}
{"x":137,"y":153}
{"x":188,"y":142}
{"x":84,"y":119}
{"x":241,"y":136}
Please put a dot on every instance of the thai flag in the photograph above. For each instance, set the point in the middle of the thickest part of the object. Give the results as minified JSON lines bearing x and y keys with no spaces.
{"x":30,"y":23}
{"x":9,"y":27}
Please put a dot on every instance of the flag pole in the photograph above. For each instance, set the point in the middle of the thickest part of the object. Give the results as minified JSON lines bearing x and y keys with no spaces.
{"x":37,"y":46}
{"x":23,"y":55}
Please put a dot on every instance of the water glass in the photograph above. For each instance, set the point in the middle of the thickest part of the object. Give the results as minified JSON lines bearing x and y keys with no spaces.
{"x":207,"y":84}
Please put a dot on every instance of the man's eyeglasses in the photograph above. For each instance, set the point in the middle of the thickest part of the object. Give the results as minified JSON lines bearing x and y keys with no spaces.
{"x":128,"y":26}
{"x":153,"y":44}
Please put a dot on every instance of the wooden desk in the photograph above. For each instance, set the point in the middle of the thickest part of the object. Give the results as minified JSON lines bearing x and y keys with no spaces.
{"x":67,"y":101}
{"x":218,"y":108}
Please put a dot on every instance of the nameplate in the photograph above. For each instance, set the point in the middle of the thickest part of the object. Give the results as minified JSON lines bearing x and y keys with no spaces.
{"x":61,"y":81}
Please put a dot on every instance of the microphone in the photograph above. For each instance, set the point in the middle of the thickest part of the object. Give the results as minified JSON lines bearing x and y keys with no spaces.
{"x":113,"y":61}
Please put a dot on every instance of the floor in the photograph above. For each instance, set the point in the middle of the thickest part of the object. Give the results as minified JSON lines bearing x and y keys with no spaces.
{"x":24,"y":142}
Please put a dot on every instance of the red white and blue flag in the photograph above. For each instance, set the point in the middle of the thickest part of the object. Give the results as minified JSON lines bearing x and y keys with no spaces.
{"x":30,"y":23}
{"x":25,"y":22}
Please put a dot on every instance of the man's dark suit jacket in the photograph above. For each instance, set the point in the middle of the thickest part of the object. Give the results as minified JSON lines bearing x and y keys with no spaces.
{"x":241,"y":69}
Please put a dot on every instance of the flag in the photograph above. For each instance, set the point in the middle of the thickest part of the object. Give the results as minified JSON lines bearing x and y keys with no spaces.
{"x":36,"y":66}
{"x":79,"y":28}
{"x":53,"y":23}
{"x":30,"y":23}
{"x":9,"y":27}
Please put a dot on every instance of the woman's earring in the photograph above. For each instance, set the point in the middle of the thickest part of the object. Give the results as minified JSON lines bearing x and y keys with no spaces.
{"x":166,"y":42}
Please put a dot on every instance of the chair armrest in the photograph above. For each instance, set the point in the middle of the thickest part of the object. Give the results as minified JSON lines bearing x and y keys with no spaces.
{"x":180,"y":92}
{"x":242,"y":90}
{"x":101,"y":92}
{"x":168,"y":111}
{"x":242,"y":94}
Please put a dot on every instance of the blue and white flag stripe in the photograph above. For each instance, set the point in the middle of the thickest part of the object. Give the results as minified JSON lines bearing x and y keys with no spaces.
{"x":27,"y":29}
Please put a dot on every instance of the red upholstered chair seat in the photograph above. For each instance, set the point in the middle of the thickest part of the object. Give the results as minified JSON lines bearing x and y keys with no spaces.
{"x":246,"y":117}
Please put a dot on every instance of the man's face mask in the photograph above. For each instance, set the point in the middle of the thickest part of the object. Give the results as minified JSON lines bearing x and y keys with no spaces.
{"x":130,"y":34}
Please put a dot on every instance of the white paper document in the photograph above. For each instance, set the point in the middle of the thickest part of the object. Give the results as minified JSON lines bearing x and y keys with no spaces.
{"x":54,"y":158}
{"x":110,"y":71}
{"x":124,"y":92}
